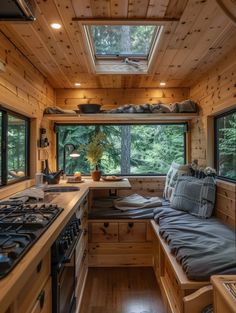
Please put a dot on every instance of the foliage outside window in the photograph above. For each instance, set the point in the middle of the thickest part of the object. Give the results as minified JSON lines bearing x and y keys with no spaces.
{"x":14,"y":147}
{"x":225,"y":136}
{"x":122,"y":40}
{"x":131,"y":149}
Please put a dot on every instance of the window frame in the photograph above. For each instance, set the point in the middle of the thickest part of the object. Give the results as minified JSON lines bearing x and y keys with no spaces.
{"x":216,"y":146}
{"x":156,"y":32}
{"x":4,"y":140}
{"x":120,"y":124}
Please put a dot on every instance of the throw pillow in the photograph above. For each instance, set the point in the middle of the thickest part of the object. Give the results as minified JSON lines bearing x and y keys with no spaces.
{"x":174,"y":172}
{"x":195,"y":196}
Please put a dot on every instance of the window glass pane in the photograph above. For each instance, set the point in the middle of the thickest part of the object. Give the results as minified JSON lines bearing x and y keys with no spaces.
{"x":131,"y":149}
{"x":226,"y":146}
{"x":123,"y":40}
{"x":155,"y":147}
{"x":16,"y":148}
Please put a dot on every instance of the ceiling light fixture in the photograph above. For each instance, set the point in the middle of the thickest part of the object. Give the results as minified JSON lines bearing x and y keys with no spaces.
{"x":162,"y":83}
{"x":77,"y":84}
{"x":56,"y":25}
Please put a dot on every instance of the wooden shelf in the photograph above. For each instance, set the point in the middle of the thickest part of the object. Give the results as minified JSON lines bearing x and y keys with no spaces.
{"x":120,"y":117}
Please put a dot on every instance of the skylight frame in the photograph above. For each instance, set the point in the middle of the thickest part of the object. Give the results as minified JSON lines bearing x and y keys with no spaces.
{"x":115,"y":65}
{"x":146,"y":57}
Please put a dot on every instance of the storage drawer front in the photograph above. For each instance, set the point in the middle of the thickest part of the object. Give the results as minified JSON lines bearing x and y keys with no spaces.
{"x":30,"y":291}
{"x":44,"y":300}
{"x":103,"y":232}
{"x":132,"y":232}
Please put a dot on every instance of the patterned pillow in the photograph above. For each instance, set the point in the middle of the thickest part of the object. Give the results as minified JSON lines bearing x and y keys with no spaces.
{"x":195,"y":196}
{"x":174,"y":172}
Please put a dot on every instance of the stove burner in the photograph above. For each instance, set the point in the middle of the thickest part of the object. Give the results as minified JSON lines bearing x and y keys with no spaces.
{"x":20,"y":227}
{"x":9,"y":245}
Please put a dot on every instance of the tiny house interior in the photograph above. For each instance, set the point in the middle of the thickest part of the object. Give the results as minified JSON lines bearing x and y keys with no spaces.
{"x":117,"y":156}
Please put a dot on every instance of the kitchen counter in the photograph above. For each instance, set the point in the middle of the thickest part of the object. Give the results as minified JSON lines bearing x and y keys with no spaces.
{"x":12,"y":284}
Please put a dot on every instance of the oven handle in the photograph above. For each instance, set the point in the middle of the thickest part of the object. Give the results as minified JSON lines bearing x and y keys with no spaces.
{"x":68,"y":257}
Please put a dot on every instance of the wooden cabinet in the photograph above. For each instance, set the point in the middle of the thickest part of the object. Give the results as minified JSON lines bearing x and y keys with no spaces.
{"x":81,"y":253}
{"x":44,"y":300}
{"x":223,"y":299}
{"x":132,"y":232}
{"x":32,"y":292}
{"x":103,"y":232}
{"x":120,"y":243}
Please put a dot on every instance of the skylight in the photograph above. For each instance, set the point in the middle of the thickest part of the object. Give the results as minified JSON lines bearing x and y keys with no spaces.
{"x":120,"y":41}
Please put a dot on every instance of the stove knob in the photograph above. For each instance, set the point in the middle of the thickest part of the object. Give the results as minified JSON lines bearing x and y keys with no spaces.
{"x":75,"y":232}
{"x":63,"y":246}
{"x":69,"y":239}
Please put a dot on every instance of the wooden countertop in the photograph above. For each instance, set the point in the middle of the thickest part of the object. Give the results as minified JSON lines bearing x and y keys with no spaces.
{"x":15,"y":280}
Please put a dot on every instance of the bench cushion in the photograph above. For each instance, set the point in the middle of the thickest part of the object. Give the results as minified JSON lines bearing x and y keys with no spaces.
{"x":203,"y":247}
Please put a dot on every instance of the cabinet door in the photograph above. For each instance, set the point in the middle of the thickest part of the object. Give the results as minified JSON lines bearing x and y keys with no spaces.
{"x":103,"y":232}
{"x":34,"y":285}
{"x":132,"y":232}
{"x":44,"y":300}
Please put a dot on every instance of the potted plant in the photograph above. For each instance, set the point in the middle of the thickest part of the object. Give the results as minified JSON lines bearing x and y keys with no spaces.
{"x":94,"y":154}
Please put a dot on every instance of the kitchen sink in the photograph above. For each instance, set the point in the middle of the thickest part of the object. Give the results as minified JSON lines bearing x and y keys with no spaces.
{"x":61,"y":189}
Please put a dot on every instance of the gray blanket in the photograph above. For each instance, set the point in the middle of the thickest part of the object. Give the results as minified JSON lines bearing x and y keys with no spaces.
{"x":203,"y":247}
{"x":104,"y":208}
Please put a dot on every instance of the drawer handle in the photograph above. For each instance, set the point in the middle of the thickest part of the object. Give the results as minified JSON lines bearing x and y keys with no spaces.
{"x":85,"y":232}
{"x":106,"y":224}
{"x":104,"y":231}
{"x":85,"y":253}
{"x":131,"y":225}
{"x":39,"y":266}
{"x":41,"y":299}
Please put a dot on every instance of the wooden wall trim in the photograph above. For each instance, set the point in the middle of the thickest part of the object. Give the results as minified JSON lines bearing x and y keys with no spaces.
{"x":111,"y":98}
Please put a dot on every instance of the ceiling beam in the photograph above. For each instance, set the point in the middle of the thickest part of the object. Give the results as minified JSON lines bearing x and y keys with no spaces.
{"x":124,"y":21}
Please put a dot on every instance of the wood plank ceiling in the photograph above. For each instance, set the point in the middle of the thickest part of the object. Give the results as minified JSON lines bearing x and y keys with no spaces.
{"x":187,"y":49}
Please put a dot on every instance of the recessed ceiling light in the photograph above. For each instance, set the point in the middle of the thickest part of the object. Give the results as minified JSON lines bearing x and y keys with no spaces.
{"x":56,"y":25}
{"x":162,"y":83}
{"x":77,"y":84}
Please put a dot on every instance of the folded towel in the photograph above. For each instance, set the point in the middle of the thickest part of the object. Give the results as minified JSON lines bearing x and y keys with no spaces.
{"x":136,"y":201}
{"x":34,"y":193}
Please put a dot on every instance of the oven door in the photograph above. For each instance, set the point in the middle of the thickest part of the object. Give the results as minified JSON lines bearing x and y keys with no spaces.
{"x":65,"y":300}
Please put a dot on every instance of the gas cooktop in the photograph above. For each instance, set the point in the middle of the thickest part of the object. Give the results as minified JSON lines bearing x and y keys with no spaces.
{"x":21,"y":225}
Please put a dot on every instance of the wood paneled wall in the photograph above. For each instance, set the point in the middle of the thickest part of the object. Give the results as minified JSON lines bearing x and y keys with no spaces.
{"x":215,"y":93}
{"x":112,"y":98}
{"x":24,"y":89}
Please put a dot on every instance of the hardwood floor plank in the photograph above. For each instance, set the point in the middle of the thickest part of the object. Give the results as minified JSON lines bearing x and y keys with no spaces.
{"x":121,"y":290}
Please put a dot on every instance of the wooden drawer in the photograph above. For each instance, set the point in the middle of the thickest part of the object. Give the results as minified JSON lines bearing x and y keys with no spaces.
{"x":30,"y":291}
{"x":103,"y":232}
{"x":44,"y":300}
{"x":132,"y":232}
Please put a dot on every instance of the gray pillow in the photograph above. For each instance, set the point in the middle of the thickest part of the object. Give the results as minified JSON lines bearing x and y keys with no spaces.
{"x":195,"y":196}
{"x":174,"y":172}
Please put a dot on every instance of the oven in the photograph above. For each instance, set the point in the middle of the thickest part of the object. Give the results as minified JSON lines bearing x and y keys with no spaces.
{"x":63,"y":268}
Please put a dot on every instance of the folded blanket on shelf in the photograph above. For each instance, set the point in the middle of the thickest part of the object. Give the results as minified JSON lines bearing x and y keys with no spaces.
{"x":136,"y":201}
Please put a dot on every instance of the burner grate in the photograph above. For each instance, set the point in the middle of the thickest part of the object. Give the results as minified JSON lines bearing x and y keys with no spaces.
{"x":20,"y":227}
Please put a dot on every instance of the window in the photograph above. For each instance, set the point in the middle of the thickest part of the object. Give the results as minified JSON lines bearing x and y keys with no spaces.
{"x":121,"y":49}
{"x":14,"y":147}
{"x":225,"y":143}
{"x":132,"y":149}
{"x":122,"y":40}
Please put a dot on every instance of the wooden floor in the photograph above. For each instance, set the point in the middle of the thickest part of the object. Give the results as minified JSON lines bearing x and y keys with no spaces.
{"x":121,"y":290}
